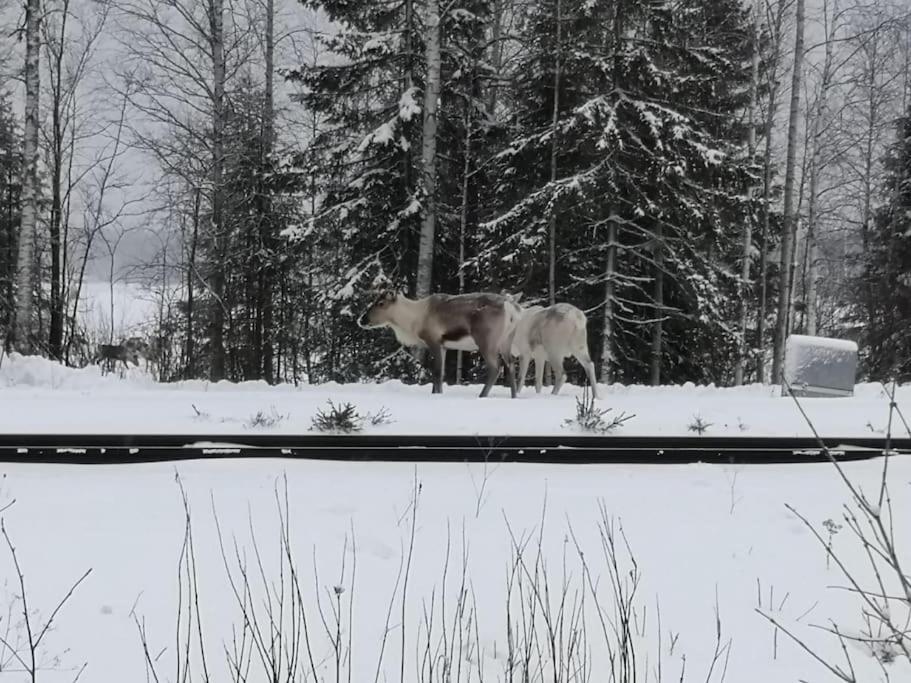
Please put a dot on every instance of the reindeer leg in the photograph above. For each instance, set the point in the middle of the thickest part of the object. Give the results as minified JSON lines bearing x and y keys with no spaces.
{"x":586,"y":362}
{"x":442,"y":373}
{"x":510,"y":373}
{"x":559,"y":374}
{"x":492,"y":362}
{"x":539,"y":372}
{"x":436,"y":361}
{"x":524,"y":360}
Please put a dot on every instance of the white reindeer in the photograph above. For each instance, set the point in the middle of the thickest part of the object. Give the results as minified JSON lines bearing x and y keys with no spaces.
{"x":549,"y":335}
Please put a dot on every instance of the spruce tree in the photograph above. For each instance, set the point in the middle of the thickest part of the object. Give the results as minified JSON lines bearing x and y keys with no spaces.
{"x":887,"y":272}
{"x":368,"y":92}
{"x":650,"y":189}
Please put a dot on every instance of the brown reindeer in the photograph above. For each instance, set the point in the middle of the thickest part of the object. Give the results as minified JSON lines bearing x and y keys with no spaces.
{"x":480,"y":322}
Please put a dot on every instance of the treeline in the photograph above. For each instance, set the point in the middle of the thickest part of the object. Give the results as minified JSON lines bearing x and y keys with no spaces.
{"x":702,"y":177}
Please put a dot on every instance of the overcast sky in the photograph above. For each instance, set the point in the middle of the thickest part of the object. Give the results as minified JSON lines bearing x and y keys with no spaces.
{"x":99,"y":106}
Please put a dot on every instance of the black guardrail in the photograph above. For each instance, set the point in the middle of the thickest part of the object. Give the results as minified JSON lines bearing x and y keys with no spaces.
{"x":136,"y":448}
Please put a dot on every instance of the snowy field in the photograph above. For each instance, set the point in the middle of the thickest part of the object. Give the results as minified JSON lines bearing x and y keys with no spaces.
{"x":703,"y":537}
{"x":37,"y":395}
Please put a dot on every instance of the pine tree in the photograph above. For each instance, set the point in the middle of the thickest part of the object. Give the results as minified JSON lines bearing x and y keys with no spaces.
{"x":887,"y":272}
{"x":651,"y":174}
{"x":368,"y":92}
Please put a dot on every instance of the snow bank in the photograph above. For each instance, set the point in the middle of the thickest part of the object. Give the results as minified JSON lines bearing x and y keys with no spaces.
{"x":37,"y":395}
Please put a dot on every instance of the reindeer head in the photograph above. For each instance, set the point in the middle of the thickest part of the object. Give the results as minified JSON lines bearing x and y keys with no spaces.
{"x":382,"y":311}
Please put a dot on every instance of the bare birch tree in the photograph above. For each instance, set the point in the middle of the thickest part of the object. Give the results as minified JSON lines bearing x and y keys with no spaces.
{"x":25,"y":279}
{"x":832,"y":18}
{"x":790,"y":208}
{"x":433,"y":58}
{"x":182,"y":57}
{"x":774,"y":23}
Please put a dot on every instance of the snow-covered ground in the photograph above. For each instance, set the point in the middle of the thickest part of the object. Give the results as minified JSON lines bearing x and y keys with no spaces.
{"x":701,"y":536}
{"x":37,"y":395}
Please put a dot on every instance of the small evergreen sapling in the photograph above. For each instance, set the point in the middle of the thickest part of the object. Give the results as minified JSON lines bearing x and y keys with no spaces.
{"x":699,"y":425}
{"x":590,"y":418}
{"x":344,"y":418}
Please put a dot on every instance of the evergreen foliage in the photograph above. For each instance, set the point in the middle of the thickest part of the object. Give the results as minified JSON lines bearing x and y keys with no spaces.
{"x":887,"y":272}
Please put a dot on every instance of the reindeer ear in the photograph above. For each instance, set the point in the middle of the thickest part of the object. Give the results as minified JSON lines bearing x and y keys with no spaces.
{"x":517,"y":297}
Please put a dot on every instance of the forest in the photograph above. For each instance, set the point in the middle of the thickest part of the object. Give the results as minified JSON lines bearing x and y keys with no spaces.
{"x":701,"y":177}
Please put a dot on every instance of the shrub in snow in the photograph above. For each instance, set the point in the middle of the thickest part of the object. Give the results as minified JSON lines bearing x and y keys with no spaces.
{"x":262,"y":419}
{"x":590,"y":418}
{"x":380,"y":417}
{"x":345,"y":418}
{"x":699,"y":425}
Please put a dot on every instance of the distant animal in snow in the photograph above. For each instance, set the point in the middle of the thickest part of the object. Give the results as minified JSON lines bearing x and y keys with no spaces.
{"x":480,"y":322}
{"x":129,"y":351}
{"x":549,"y":335}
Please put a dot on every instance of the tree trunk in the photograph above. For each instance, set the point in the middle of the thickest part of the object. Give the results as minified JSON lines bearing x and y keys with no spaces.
{"x":747,"y":225}
{"x":610,"y":268}
{"x":815,"y":162}
{"x":55,"y":333}
{"x":790,"y":214}
{"x":771,"y":110}
{"x":555,"y":114}
{"x":29,"y":217}
{"x":433,"y":58}
{"x":496,"y":56}
{"x":267,"y":220}
{"x":463,"y":216}
{"x":868,"y":162}
{"x":190,"y":371}
{"x":219,"y":234}
{"x":657,"y":326}
{"x":408,"y":183}
{"x":10,"y":255}
{"x":610,"y":271}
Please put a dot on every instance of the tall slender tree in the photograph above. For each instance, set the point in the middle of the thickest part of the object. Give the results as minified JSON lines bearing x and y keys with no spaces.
{"x":25,"y":280}
{"x":747,"y":257}
{"x":790,"y":206}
